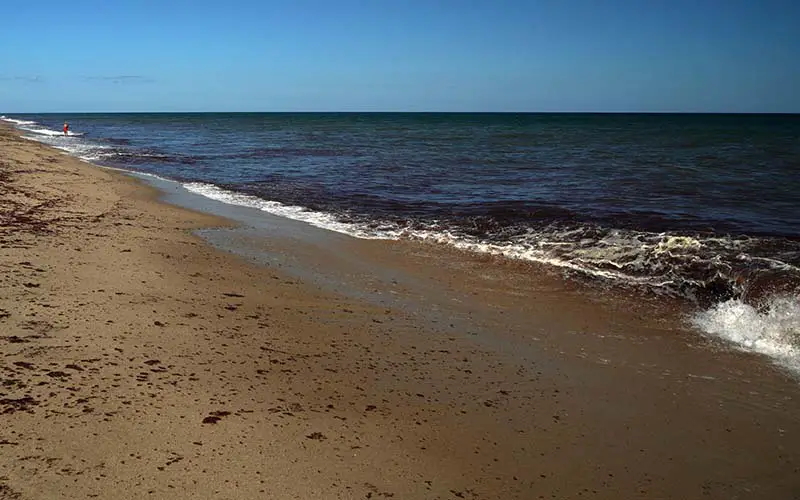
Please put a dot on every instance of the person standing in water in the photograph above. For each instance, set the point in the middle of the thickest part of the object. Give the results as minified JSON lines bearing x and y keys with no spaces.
{"x":66,"y":128}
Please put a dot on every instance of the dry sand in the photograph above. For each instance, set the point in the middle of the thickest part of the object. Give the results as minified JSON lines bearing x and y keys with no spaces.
{"x":136,"y":361}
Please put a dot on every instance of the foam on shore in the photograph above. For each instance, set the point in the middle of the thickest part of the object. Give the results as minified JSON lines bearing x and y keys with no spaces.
{"x":773,"y":330}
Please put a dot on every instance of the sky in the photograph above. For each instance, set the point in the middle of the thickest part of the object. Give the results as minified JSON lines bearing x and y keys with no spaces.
{"x":400,"y":55}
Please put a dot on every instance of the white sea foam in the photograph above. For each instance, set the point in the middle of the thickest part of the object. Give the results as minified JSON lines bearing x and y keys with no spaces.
{"x":318,"y":219}
{"x":528,"y":250}
{"x":536,"y":248}
{"x":773,"y":330}
{"x":16,"y":122}
{"x":513,"y":250}
{"x":43,"y":131}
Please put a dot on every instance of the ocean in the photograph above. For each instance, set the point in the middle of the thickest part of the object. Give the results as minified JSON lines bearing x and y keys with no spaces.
{"x":704,"y":208}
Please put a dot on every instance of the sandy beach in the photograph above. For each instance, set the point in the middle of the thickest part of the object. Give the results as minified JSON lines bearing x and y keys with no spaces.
{"x":139,"y":361}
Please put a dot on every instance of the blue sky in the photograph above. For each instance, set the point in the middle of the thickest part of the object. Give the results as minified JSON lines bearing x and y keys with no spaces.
{"x":400,"y":55}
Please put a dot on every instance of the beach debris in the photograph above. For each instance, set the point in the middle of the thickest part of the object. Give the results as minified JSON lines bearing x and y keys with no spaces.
{"x":215,"y":416}
{"x":15,"y":339}
{"x":19,"y":404}
{"x":7,"y":492}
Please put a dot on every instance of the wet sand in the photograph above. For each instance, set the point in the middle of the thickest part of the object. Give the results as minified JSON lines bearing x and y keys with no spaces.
{"x":138,"y":361}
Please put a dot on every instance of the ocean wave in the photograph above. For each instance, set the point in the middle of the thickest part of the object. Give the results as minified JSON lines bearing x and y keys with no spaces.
{"x":322,"y":220}
{"x":17,"y":122}
{"x":771,"y":329}
{"x":35,"y":129}
{"x":430,"y":231}
{"x":49,"y":132}
{"x":705,"y":268}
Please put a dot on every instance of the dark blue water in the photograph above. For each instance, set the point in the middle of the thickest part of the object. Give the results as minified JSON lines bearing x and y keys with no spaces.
{"x":702,"y":206}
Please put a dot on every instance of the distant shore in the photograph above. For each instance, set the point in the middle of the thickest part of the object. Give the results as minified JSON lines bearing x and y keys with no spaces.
{"x":140,"y":362}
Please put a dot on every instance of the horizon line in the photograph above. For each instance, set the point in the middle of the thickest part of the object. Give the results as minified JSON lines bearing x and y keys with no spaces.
{"x":417,"y":112}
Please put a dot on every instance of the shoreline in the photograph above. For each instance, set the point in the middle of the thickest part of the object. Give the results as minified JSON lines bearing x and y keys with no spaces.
{"x":138,"y":359}
{"x":742,"y":284}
